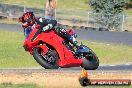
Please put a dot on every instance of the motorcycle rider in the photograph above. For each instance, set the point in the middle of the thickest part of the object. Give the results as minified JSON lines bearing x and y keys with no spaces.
{"x":28,"y":19}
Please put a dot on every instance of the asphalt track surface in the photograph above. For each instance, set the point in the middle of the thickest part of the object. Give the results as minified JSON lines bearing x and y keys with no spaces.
{"x":98,"y":36}
{"x":124,"y":38}
{"x":107,"y":68}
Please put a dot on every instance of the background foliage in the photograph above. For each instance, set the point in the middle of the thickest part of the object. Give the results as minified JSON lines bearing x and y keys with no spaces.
{"x":109,"y":13}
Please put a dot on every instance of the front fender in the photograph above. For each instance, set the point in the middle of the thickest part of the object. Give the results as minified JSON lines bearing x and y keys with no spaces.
{"x":83,"y":49}
{"x":43,"y":47}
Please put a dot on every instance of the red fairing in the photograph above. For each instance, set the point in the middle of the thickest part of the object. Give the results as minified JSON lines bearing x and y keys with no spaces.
{"x":66,"y":58}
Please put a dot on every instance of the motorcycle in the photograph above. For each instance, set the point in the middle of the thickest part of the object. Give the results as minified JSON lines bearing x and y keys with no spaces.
{"x":52,"y":51}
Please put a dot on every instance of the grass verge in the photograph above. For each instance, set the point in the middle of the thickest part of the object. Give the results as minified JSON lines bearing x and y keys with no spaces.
{"x":10,"y":85}
{"x":111,"y":53}
{"x":9,"y":21}
{"x":68,"y":80}
{"x":12,"y":54}
{"x":64,"y":4}
{"x":35,"y":86}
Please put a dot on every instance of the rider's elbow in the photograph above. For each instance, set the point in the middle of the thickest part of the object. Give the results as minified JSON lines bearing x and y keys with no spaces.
{"x":54,"y":23}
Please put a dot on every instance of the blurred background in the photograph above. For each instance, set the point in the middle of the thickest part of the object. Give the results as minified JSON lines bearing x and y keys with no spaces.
{"x":75,"y":13}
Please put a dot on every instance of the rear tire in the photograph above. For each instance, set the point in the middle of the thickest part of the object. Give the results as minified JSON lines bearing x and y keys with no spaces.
{"x":37,"y":54}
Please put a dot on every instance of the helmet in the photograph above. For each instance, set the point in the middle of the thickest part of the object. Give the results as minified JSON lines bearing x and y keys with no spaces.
{"x":28,"y":17}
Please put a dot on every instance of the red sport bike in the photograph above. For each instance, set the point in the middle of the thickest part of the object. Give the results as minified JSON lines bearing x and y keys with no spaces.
{"x":52,"y":51}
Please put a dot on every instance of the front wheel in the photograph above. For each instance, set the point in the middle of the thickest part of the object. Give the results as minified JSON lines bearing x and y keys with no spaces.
{"x":90,"y":61}
{"x":48,"y":60}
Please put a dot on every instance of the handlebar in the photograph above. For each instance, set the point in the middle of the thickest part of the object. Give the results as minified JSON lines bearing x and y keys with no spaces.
{"x":37,"y":33}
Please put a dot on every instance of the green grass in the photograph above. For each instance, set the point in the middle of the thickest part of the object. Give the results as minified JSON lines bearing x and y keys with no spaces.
{"x":63,"y":4}
{"x":10,"y":85}
{"x":111,"y":53}
{"x":109,"y":87}
{"x":129,"y":12}
{"x":12,"y":54}
{"x":7,"y":21}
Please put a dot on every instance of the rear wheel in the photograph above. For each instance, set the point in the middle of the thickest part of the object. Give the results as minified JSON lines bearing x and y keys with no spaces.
{"x":90,"y":61}
{"x":48,"y":60}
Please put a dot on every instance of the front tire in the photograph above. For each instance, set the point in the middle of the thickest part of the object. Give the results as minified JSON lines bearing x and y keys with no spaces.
{"x":44,"y":60}
{"x":90,"y":61}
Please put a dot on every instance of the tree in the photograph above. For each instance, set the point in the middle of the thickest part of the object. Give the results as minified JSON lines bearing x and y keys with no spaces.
{"x":108,"y":12}
{"x":50,"y":9}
